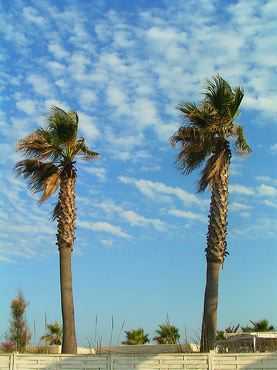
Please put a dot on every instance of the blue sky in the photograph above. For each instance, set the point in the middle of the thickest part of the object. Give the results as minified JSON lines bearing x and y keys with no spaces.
{"x":141,"y":229}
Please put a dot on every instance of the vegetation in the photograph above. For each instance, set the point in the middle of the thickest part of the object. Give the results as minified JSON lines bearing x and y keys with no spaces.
{"x":204,"y":140}
{"x":51,"y":155}
{"x":167,"y":334}
{"x":136,"y":336}
{"x":18,"y":334}
{"x":54,"y":334}
{"x":258,"y":326}
{"x":229,"y":329}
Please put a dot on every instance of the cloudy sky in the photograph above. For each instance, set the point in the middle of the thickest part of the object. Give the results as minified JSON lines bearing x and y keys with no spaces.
{"x":141,"y":228}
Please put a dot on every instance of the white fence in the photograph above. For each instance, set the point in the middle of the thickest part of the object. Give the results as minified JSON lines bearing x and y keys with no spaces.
{"x":211,"y":361}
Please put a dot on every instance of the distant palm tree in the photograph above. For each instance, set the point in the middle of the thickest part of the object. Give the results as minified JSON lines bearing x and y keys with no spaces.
{"x":136,"y":336}
{"x":167,"y":334}
{"x":258,"y":326}
{"x":204,"y":140}
{"x":220,"y":334}
{"x":51,"y":154}
{"x":54,"y":334}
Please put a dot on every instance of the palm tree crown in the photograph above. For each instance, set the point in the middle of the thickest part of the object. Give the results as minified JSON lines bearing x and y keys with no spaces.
{"x":51,"y":153}
{"x":167,"y":334}
{"x":54,"y":333}
{"x":208,"y":126}
{"x":136,"y":336}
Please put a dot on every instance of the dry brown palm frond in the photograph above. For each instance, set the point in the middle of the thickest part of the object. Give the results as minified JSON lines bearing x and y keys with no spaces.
{"x":50,"y":186}
{"x":241,"y":146}
{"x":86,"y":153}
{"x":210,"y":174}
{"x":38,"y":145}
{"x":36,"y":173}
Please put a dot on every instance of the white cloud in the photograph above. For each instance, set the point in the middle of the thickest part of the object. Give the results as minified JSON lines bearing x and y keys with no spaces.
{"x":241,"y":189}
{"x":266,"y":190}
{"x":40,"y":84}
{"x":87,"y":126}
{"x":31,"y":15}
{"x":87,"y":97}
{"x":151,"y":190}
{"x":27,"y":106}
{"x":132,"y":217}
{"x":273,"y":148}
{"x":270,"y":203}
{"x":58,"y":50}
{"x":98,"y":172}
{"x":238,"y":207}
{"x":104,"y":227}
{"x":188,"y":215}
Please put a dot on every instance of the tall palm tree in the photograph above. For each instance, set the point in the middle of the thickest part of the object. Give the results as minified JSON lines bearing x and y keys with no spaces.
{"x":54,"y":334}
{"x":167,"y":334}
{"x":136,"y":336}
{"x":51,"y":154}
{"x":204,"y":140}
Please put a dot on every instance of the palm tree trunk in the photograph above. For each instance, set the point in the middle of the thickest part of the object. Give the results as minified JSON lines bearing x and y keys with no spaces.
{"x":215,"y":253}
{"x":65,"y":240}
{"x":208,"y":335}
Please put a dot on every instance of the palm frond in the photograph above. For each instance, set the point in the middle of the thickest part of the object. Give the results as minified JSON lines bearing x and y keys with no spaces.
{"x":62,"y":126}
{"x":211,"y":171}
{"x":40,"y":176}
{"x":85,"y":152}
{"x":218,"y":93}
{"x":195,"y":146}
{"x":241,"y":146}
{"x":38,"y":145}
{"x":233,"y":107}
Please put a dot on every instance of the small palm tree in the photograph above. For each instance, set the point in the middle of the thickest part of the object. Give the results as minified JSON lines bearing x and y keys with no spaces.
{"x":258,"y":326}
{"x":204,"y":140}
{"x":51,"y":154}
{"x":167,"y":334}
{"x":220,"y":334}
{"x":136,"y":336}
{"x":54,"y":334}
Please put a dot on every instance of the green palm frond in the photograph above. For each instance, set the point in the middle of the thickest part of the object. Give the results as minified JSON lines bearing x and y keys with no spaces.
{"x":218,"y":93}
{"x":233,"y":107}
{"x":195,"y":146}
{"x":62,"y":126}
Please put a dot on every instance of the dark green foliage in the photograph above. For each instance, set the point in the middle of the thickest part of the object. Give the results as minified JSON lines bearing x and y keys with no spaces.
{"x":167,"y":334}
{"x":258,"y":326}
{"x":136,"y":336}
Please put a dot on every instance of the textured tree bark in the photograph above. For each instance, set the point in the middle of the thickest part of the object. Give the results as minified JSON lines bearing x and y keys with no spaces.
{"x":215,"y":253}
{"x":65,"y":240}
{"x":209,"y":321}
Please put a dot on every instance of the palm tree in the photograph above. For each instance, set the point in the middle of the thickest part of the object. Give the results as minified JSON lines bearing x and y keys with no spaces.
{"x":51,"y":153}
{"x":258,"y":326}
{"x":54,"y":334}
{"x":167,"y":334}
{"x":136,"y":336}
{"x":220,"y":334}
{"x":204,"y":140}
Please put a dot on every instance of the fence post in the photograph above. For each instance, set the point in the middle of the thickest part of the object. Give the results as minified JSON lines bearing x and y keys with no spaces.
{"x":110,"y":362}
{"x":211,"y":360}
